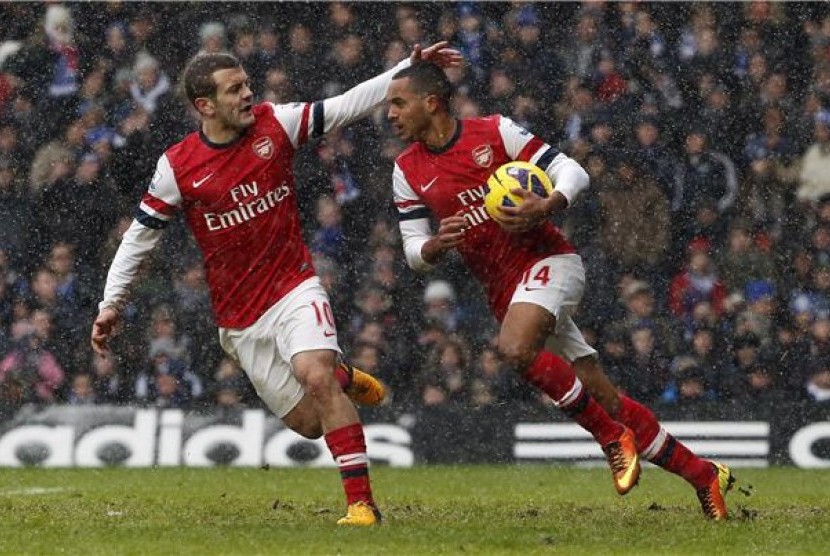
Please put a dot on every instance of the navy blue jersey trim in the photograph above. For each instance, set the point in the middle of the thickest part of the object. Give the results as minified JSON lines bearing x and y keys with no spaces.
{"x":150,"y":221}
{"x":319,"y":119}
{"x":545,"y":160}
{"x":414,"y":215}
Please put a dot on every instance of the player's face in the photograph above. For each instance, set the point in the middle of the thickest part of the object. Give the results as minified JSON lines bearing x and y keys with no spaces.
{"x":407,"y":110}
{"x":234,"y":98}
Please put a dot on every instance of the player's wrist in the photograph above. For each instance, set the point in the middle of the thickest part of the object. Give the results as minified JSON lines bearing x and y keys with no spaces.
{"x":556,"y":202}
{"x":433,"y":250}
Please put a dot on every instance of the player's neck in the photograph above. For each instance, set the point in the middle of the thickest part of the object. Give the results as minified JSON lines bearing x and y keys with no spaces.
{"x":217,"y":133}
{"x":440,"y":133}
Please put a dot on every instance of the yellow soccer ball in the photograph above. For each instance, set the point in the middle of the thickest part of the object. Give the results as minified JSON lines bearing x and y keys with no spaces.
{"x":514,"y":174}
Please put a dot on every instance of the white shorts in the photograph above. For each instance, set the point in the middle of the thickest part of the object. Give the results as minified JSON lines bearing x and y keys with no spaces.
{"x":300,"y":321}
{"x":557,"y":283}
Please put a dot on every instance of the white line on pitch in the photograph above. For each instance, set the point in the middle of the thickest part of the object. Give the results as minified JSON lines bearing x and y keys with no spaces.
{"x":32,"y":491}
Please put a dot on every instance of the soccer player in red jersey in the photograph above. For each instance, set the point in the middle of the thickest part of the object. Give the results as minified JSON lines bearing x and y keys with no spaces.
{"x":533,"y":277}
{"x":234,"y":181}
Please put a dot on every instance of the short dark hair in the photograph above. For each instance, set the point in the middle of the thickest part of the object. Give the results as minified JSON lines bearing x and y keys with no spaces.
{"x":198,"y":75}
{"x":428,"y":79}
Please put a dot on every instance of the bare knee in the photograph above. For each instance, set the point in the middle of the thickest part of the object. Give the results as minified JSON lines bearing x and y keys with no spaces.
{"x":320,"y":385}
{"x":315,"y":371}
{"x":303,"y":420}
{"x":312,"y":431}
{"x":517,"y":357}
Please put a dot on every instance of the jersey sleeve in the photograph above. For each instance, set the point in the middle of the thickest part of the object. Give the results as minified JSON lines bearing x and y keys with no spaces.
{"x":413,"y":220}
{"x":306,"y":120}
{"x":159,"y":204}
{"x":156,"y":210}
{"x":567,"y":175}
{"x":295,"y":120}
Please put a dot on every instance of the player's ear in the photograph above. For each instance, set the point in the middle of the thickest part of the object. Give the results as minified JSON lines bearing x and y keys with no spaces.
{"x":433,"y":103}
{"x":205,"y":106}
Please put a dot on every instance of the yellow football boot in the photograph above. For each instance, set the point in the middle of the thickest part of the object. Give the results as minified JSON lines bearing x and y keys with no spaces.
{"x":624,"y":461}
{"x":361,"y":514}
{"x":712,"y":497}
{"x":364,"y":389}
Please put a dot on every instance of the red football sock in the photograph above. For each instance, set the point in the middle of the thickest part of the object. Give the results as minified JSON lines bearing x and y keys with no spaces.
{"x":661,"y":448}
{"x":555,"y":377}
{"x":348,"y":448}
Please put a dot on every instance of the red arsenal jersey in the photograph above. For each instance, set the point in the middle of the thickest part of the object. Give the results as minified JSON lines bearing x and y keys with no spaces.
{"x":239,"y":200}
{"x":454,"y":179}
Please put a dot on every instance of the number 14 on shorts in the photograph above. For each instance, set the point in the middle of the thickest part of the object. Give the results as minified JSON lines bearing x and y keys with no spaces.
{"x":537,"y":280}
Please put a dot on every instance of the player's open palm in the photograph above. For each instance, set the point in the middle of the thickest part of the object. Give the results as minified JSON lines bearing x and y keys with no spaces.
{"x":439,"y":54}
{"x":102,"y":330}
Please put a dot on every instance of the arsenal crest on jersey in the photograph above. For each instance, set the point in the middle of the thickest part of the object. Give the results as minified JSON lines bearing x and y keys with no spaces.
{"x":483,"y":155}
{"x":264,"y":148}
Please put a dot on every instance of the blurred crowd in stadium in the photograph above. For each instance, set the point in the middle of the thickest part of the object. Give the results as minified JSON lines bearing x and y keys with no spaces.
{"x":705,"y":128}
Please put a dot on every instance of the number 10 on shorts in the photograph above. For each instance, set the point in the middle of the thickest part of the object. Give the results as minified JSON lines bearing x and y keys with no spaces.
{"x":325,"y":317}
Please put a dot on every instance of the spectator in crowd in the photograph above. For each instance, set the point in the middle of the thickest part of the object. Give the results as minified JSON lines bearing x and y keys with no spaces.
{"x":15,"y":210}
{"x":582,"y":53}
{"x":641,"y":309}
{"x":742,"y":261}
{"x":650,"y":150}
{"x":109,"y":384}
{"x":440,"y":305}
{"x":231,"y":389}
{"x":150,"y":83}
{"x":647,"y":375}
{"x":329,"y":239}
{"x":814,"y":179}
{"x":81,"y":390}
{"x":167,"y":381}
{"x":635,"y":222}
{"x":704,"y":191}
{"x":818,"y":384}
{"x":213,"y":38}
{"x":759,"y":382}
{"x":687,"y":385}
{"x":447,"y":375}
{"x":33,"y":371}
{"x":757,"y":317}
{"x":698,"y":282}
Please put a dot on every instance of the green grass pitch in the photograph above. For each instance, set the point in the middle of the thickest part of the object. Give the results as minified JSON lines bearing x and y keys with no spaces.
{"x":522,"y":509}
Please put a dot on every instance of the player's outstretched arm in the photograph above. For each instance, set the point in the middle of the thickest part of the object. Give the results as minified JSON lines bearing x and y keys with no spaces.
{"x":359,"y":101}
{"x":136,"y":245}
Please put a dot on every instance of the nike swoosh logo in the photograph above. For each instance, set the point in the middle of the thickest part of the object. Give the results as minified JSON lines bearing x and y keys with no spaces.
{"x":201,"y":181}
{"x":532,"y":289}
{"x":346,"y":460}
{"x":329,"y":334}
{"x":427,"y":186}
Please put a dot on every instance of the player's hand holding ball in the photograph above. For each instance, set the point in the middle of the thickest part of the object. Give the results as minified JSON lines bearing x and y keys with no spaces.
{"x":517,"y":196}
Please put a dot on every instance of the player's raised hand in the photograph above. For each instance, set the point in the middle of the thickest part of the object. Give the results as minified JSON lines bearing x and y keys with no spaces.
{"x":439,"y":54}
{"x":103,"y":329}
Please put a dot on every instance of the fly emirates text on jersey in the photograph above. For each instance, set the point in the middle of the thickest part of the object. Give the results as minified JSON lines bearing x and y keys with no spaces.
{"x":473,"y":201}
{"x":248,"y":205}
